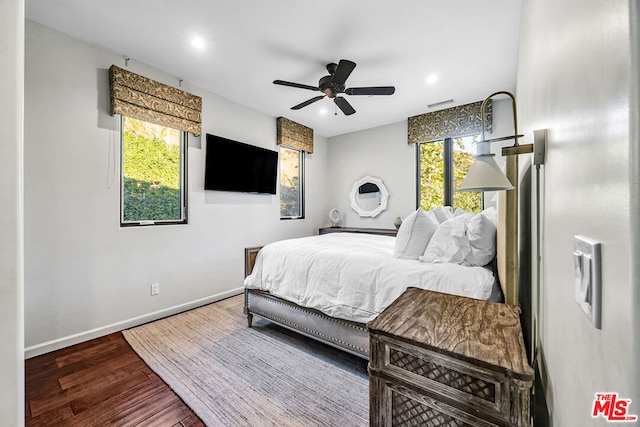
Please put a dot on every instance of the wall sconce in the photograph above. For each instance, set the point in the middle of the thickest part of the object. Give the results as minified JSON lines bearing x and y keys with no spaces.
{"x":484,"y":173}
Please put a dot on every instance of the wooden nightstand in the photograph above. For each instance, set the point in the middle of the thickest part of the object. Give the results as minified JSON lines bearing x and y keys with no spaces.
{"x":381,"y":231}
{"x":444,"y":360}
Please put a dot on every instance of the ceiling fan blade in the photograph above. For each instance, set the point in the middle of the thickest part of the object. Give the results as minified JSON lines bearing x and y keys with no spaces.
{"x":345,"y":67}
{"x":373,"y":90}
{"x":298,"y":85}
{"x":307,"y":102}
{"x":344,"y":105}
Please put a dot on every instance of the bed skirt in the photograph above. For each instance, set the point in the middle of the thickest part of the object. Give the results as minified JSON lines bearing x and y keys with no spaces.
{"x":343,"y":334}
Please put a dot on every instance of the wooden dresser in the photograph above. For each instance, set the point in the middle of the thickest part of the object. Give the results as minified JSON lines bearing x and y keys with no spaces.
{"x":443,"y":360}
{"x":381,"y":231}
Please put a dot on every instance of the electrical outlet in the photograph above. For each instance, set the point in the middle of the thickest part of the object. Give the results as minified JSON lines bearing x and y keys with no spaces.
{"x":155,"y":288}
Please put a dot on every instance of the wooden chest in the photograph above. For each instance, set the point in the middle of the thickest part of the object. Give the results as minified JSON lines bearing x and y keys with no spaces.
{"x":443,"y":360}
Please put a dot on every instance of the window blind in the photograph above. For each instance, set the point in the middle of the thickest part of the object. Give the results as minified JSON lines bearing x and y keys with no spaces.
{"x":463,"y":120}
{"x":141,"y":98}
{"x":294,"y":135}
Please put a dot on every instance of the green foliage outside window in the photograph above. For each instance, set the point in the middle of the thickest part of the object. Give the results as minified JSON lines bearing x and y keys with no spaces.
{"x":462,"y":160}
{"x":431,"y":175}
{"x":151,"y":174}
{"x":432,"y":170}
{"x":290,"y":197}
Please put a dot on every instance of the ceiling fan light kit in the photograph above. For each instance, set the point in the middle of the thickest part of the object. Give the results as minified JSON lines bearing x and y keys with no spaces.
{"x":333,"y":85}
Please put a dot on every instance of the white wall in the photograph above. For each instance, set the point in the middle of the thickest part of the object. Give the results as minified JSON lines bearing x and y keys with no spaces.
{"x":380,"y":152}
{"x":634,"y":181}
{"x":573,"y":79}
{"x":11,"y":223}
{"x":87,"y":276}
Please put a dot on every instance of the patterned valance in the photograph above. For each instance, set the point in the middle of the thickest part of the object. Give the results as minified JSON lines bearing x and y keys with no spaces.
{"x":294,"y":135}
{"x":463,"y":120}
{"x":141,"y":98}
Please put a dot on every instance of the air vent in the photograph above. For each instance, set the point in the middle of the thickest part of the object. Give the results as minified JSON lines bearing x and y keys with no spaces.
{"x":437,"y":104}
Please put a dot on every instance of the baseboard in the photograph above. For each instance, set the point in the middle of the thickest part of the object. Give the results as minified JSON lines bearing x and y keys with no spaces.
{"x":57,"y":344}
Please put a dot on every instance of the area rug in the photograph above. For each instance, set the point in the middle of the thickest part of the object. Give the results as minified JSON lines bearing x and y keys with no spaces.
{"x":232,"y":375}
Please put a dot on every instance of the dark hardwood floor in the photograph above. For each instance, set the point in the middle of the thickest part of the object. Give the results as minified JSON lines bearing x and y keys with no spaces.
{"x":100,"y":382}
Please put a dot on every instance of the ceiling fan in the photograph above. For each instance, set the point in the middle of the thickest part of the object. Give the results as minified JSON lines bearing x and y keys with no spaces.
{"x":334,"y":84}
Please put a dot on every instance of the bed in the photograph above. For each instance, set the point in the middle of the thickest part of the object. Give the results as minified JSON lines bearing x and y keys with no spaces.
{"x":329,"y":286}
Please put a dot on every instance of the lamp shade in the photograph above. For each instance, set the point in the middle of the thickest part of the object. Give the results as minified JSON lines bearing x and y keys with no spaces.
{"x":485,"y":175}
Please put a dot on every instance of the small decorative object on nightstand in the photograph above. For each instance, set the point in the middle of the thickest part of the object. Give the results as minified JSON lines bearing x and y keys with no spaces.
{"x":335,"y":217}
{"x":397,"y":222}
{"x":440,"y":359}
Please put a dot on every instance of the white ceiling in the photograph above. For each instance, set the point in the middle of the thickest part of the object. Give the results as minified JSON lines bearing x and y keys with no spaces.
{"x":470,"y":45}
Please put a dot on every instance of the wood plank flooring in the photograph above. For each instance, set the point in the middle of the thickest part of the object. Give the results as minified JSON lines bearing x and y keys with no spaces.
{"x":100,"y":382}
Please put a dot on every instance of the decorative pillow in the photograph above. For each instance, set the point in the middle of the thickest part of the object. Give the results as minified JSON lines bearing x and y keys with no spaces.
{"x":481,"y":233}
{"x":459,"y":211}
{"x":442,"y":213}
{"x":449,"y":242}
{"x":414,"y":234}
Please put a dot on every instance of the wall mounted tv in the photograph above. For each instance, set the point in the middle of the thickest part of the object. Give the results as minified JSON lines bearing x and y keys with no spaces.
{"x":236,"y":166}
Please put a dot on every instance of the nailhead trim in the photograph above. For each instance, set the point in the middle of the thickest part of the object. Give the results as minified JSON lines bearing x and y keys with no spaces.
{"x":312,"y":331}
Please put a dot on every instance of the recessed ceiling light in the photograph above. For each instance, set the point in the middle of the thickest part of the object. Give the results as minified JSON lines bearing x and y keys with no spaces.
{"x":432,"y":78}
{"x":197,"y":42}
{"x":324,"y":111}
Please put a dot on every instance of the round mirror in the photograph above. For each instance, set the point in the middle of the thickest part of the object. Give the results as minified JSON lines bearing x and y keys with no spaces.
{"x":369,"y":196}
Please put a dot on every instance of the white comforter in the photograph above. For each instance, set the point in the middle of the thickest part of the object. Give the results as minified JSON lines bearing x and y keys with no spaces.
{"x":355,"y":276}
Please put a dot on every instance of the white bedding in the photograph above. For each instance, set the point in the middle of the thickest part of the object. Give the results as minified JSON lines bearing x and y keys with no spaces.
{"x":354,"y":276}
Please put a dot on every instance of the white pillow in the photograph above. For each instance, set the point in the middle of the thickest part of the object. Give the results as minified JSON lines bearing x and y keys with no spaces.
{"x":449,"y":243}
{"x":442,"y":213}
{"x":492,"y":214}
{"x":459,"y":211}
{"x":414,"y":234}
{"x":467,"y":239}
{"x":481,"y":233}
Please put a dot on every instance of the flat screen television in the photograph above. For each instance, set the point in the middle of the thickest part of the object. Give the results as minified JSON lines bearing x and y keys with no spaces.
{"x":236,"y":166}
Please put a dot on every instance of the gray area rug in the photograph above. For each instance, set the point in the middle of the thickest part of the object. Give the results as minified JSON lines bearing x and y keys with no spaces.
{"x":232,"y":375}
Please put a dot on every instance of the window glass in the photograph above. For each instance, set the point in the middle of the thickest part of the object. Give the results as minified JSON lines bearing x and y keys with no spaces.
{"x":464,"y":151}
{"x":291,"y":182}
{"x":442,"y":165}
{"x":431,"y":174}
{"x":153,"y":176}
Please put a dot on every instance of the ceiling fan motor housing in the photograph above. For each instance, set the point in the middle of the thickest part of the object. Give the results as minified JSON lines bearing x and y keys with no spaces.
{"x":330,"y":88}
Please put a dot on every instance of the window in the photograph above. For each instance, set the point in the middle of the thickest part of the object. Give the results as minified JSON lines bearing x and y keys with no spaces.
{"x":153,"y":174}
{"x":442,"y":165}
{"x":291,"y":183}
